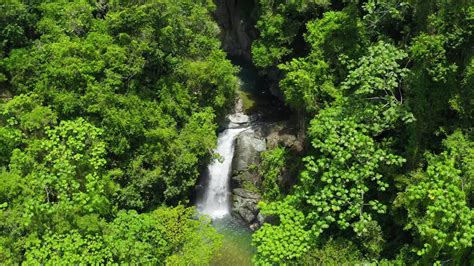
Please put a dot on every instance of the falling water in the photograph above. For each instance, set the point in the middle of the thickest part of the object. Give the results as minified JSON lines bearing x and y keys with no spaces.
{"x":216,"y":198}
{"x":215,"y":202}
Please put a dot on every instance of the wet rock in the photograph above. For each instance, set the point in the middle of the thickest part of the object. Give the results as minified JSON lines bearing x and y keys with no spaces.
{"x":238,"y":179}
{"x":279,"y":134}
{"x":254,"y":226}
{"x":248,"y":147}
{"x":260,"y":218}
{"x":239,"y":118}
{"x":240,"y":192}
{"x":245,"y":205}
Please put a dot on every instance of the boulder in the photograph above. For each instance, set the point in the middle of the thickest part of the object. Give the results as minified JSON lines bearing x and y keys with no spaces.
{"x":245,"y":205}
{"x":248,"y":147}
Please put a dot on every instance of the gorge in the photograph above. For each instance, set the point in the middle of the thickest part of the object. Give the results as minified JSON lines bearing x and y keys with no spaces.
{"x":236,"y":132}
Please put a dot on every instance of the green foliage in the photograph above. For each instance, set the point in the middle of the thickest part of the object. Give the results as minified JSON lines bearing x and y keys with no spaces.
{"x":460,"y":148}
{"x":149,"y":94}
{"x":170,"y":235}
{"x":347,"y":166}
{"x":462,"y":101}
{"x":65,"y":17}
{"x":272,"y":27}
{"x":382,"y":16}
{"x":192,"y":144}
{"x":375,"y":83}
{"x":308,"y":84}
{"x":70,"y":248}
{"x":378,"y":71}
{"x":166,"y":234}
{"x":334,"y":35}
{"x":278,"y":25}
{"x":109,"y":110}
{"x":192,"y":241}
{"x":283,"y":242}
{"x":333,"y":252}
{"x":62,"y":177}
{"x":429,"y":49}
{"x":438,"y":212}
{"x":271,"y":168}
{"x":17,"y":24}
{"x":338,"y":188}
{"x":249,"y":185}
{"x":114,"y":107}
{"x":441,"y":57}
{"x":9,"y":139}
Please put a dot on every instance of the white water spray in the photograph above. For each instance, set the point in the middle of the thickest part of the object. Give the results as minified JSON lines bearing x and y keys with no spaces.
{"x":215,"y":202}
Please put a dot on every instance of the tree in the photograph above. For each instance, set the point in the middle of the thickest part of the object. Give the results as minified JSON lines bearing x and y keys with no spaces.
{"x":347,"y":169}
{"x":279,"y":25}
{"x":287,"y":240}
{"x":271,"y":168}
{"x":170,"y":235}
{"x":17,"y":22}
{"x":437,"y":211}
{"x":63,"y":176}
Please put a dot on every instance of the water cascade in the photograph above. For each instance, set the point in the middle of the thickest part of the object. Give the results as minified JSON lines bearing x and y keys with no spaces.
{"x":215,"y":202}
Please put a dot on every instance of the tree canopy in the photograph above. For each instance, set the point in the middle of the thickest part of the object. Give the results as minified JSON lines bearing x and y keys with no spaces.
{"x":109,"y":112}
{"x":383,"y":89}
{"x":114,"y":112}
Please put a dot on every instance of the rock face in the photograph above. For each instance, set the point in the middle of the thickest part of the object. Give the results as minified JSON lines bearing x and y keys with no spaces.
{"x":281,"y":133}
{"x":245,"y":196}
{"x":248,"y":147}
{"x":247,"y":156}
{"x":237,"y":31}
{"x":245,"y":205}
{"x":237,"y":20}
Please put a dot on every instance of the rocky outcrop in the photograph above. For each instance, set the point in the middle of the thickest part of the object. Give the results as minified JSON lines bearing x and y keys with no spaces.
{"x":247,"y":156}
{"x":282,"y":133}
{"x":237,"y":20}
{"x":238,"y":119}
{"x":245,"y":205}
{"x":248,"y":147}
{"x":245,"y":179}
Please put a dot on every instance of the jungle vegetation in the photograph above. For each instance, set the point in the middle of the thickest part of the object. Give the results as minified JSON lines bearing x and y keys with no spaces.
{"x":385,"y":90}
{"x":109,"y":111}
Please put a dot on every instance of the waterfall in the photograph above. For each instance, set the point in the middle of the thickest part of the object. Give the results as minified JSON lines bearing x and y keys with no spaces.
{"x":215,"y":202}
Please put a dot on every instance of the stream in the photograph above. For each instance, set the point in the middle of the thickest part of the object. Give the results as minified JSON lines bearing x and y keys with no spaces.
{"x":236,"y":244}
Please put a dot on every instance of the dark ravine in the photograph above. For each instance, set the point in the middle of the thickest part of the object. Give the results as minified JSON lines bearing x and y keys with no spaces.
{"x":235,"y":18}
{"x":269,"y":119}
